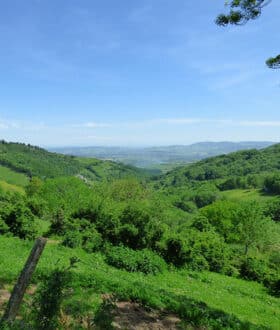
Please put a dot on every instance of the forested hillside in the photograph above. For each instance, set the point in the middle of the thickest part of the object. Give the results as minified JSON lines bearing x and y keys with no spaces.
{"x":34,"y":161}
{"x":247,"y":164}
{"x":188,"y":242}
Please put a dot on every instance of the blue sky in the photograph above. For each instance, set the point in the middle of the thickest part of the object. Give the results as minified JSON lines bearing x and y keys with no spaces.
{"x":149,"y":72}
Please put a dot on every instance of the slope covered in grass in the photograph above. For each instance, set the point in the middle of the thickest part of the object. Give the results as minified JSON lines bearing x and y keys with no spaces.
{"x":12,"y":177}
{"x":246,"y":195}
{"x":7,"y":187}
{"x":18,"y":161}
{"x":198,"y":298}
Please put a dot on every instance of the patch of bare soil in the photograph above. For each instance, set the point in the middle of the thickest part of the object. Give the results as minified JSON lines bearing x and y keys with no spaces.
{"x":132,"y":316}
{"x":4,"y":297}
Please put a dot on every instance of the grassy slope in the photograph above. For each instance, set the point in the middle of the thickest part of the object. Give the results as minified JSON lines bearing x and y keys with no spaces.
{"x":246,"y":194}
{"x":7,"y":187}
{"x":96,"y":169}
{"x":248,"y":301}
{"x":17,"y":161}
{"x":12,"y":177}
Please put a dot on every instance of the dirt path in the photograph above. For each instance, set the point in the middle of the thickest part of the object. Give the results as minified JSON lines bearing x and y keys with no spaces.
{"x":132,"y":316}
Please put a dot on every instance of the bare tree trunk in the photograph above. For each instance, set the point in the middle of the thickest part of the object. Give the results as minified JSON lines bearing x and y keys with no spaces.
{"x":23,"y":280}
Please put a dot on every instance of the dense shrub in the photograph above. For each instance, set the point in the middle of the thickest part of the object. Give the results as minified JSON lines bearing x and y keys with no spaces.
{"x":4,"y":228}
{"x":18,"y":219}
{"x":186,"y":205}
{"x":89,"y":238}
{"x":245,"y":182}
{"x":72,"y":239}
{"x":48,"y":300}
{"x":59,"y":222}
{"x":144,"y":261}
{"x":207,"y":249}
{"x":274,"y":287}
{"x":272,"y":210}
{"x":49,"y":297}
{"x":221,"y":216}
{"x":272,"y":184}
{"x":132,"y":231}
{"x":197,"y":249}
{"x":254,"y":269}
{"x":174,"y":249}
{"x":201,"y":223}
{"x":204,"y":198}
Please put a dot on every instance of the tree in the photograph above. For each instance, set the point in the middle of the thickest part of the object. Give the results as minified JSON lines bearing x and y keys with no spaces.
{"x":242,"y":11}
{"x":254,"y":229}
{"x":34,"y":186}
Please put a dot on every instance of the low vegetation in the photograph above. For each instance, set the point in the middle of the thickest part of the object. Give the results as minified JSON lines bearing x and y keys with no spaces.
{"x":188,"y":242}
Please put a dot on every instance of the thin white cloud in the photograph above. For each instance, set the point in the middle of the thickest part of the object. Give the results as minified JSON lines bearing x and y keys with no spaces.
{"x":275,"y":123}
{"x":181,"y":122}
{"x":96,"y":125}
{"x":8,"y":124}
{"x":189,"y":121}
{"x":3,"y":126}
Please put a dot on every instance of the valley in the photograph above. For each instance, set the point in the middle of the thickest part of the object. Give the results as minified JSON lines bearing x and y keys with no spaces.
{"x":199,"y":242}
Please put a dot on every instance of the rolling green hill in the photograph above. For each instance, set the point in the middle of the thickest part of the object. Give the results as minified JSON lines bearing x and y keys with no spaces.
{"x":238,"y":164}
{"x":19,"y":161}
{"x":189,"y":242}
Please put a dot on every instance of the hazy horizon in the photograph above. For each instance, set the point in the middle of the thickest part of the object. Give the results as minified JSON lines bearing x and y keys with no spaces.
{"x":155,"y":146}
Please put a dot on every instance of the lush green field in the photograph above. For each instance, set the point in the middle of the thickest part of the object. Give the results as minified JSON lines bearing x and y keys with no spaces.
{"x":246,"y":194}
{"x":7,"y":187}
{"x":177,"y":291}
{"x":12,"y":177}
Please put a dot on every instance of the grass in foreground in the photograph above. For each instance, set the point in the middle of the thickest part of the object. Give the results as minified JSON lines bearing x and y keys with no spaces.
{"x":191,"y":295}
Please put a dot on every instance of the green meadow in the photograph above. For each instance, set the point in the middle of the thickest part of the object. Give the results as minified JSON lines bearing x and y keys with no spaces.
{"x":207,"y":293}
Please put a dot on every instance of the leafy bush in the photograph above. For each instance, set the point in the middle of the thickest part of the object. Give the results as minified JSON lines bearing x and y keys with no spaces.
{"x":174,"y":250}
{"x":221,"y":216}
{"x":254,"y":269}
{"x":204,"y":250}
{"x":272,"y":184}
{"x":48,"y":300}
{"x":274,"y":287}
{"x":89,"y":238}
{"x":210,"y":246}
{"x":272,"y":210}
{"x":17,"y":218}
{"x":50,"y":295}
{"x":204,"y":198}
{"x":201,"y":223}
{"x":186,"y":205}
{"x":144,"y":261}
{"x":72,"y":239}
{"x":3,"y":227}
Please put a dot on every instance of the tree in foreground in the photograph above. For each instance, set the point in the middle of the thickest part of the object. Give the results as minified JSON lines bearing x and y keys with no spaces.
{"x":242,"y":11}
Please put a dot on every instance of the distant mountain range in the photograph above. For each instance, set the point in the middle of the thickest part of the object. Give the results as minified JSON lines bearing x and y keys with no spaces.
{"x":151,"y":157}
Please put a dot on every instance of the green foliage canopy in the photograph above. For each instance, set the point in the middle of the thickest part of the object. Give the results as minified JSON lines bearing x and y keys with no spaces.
{"x":242,"y":11}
